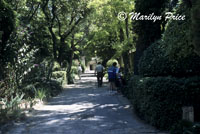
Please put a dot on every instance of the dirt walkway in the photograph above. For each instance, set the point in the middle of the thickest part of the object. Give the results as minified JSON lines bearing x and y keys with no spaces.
{"x":84,"y":109}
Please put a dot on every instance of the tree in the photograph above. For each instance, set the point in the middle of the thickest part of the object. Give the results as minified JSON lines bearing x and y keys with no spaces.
{"x":62,"y":18}
{"x":7,"y":21}
{"x":147,"y":31}
{"x":196,"y":25}
{"x":109,"y":37}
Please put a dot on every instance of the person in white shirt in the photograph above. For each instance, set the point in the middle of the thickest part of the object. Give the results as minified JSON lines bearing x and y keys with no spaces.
{"x":99,"y":71}
{"x":79,"y":71}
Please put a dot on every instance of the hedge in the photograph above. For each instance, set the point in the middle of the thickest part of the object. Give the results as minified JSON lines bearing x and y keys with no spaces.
{"x":159,"y":100}
{"x":174,"y":54}
{"x":60,"y":76}
{"x":155,"y":62}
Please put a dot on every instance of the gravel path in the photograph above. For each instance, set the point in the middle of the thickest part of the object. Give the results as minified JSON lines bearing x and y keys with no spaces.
{"x":83,"y":108}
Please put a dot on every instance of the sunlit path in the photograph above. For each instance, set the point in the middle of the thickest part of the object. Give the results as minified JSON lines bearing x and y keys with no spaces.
{"x":83,"y":108}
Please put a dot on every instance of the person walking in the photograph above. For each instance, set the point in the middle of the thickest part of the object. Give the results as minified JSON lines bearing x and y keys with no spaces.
{"x":79,"y":71}
{"x":112,"y":76}
{"x":99,"y":73}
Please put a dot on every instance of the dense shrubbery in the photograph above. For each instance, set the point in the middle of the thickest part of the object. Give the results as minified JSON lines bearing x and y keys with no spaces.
{"x":168,"y":80}
{"x":185,"y":127}
{"x":32,"y":81}
{"x":173,"y":54}
{"x":155,"y":62}
{"x":60,"y":76}
{"x":159,"y":100}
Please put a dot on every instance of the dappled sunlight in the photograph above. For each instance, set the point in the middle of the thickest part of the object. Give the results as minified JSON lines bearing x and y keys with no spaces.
{"x":84,"y":108}
{"x":108,"y":105}
{"x":73,"y":108}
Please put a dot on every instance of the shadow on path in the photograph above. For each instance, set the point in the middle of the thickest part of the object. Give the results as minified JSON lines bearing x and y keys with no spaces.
{"x":83,"y":108}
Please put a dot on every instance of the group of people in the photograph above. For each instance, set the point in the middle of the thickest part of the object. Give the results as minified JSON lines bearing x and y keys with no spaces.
{"x":114,"y":76}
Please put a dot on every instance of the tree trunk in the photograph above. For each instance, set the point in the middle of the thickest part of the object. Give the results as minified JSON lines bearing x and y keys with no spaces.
{"x":70,"y":80}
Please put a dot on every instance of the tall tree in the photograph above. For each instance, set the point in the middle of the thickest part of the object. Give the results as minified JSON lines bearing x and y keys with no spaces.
{"x":109,"y":37}
{"x":7,"y":21}
{"x":62,"y":18}
{"x":196,"y":25}
{"x":147,"y":31}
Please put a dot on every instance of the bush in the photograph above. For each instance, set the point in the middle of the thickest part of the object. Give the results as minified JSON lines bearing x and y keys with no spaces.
{"x":174,"y":53}
{"x":56,"y":66}
{"x":155,"y":62}
{"x":60,"y":76}
{"x":176,"y":38}
{"x":159,"y":100}
{"x":52,"y":87}
{"x":110,"y":62}
{"x":9,"y":108}
{"x":185,"y":127}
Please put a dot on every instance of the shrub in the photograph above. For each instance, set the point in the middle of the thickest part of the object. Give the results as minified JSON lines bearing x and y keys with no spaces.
{"x":174,"y":53}
{"x":9,"y":108}
{"x":185,"y":127}
{"x":176,"y":38}
{"x":56,"y":66}
{"x":41,"y":94}
{"x":110,"y":62}
{"x":60,"y":76}
{"x":155,"y":62}
{"x":52,"y":87}
{"x":159,"y":100}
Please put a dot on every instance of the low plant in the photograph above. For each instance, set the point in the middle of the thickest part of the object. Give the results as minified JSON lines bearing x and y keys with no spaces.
{"x":9,"y":108}
{"x":41,"y":94}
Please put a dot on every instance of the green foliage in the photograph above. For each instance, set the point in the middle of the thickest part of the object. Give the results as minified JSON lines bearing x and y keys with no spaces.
{"x":9,"y":109}
{"x":60,"y":76}
{"x":176,"y":38}
{"x":172,"y":55}
{"x":155,"y":62}
{"x":29,"y":91}
{"x":195,"y":29}
{"x":50,"y":88}
{"x":7,"y":21}
{"x":185,"y":127}
{"x":159,"y":100}
{"x":56,"y":66}
{"x":147,"y":31}
{"x":41,"y":94}
{"x":110,"y":62}
{"x":106,"y":31}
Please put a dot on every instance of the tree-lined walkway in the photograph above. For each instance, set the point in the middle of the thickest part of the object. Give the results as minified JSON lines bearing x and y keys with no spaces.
{"x":83,"y":108}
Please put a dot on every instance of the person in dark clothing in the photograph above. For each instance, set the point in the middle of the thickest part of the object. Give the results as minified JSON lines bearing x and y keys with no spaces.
{"x":99,"y":71}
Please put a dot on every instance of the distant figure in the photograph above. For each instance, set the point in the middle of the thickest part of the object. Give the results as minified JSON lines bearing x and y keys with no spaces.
{"x":112,"y":76}
{"x":99,"y":71}
{"x":79,"y":71}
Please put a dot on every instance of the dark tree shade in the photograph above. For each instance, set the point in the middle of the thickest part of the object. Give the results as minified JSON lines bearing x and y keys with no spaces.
{"x":196,"y":25}
{"x":7,"y":21}
{"x":147,"y":31}
{"x":7,"y":24}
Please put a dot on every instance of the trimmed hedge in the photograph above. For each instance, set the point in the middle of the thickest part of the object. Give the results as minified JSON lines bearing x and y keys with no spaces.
{"x":60,"y":76}
{"x":159,"y":100}
{"x":174,"y":54}
{"x":155,"y":62}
